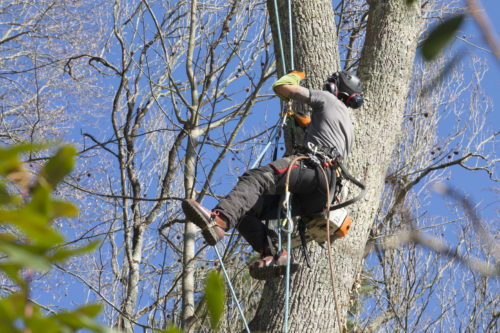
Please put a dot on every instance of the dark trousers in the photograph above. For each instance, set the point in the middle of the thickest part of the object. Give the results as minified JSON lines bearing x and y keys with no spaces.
{"x":258,"y":194}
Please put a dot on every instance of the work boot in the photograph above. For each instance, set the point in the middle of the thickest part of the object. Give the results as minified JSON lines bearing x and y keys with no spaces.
{"x":269,"y":267}
{"x":212,"y":226}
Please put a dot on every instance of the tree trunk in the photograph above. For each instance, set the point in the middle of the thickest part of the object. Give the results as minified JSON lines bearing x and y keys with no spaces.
{"x":385,"y":68}
{"x":189,"y":267}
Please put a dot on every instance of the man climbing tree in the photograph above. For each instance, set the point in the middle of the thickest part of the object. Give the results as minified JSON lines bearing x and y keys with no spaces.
{"x":259,"y":192}
{"x":385,"y":68}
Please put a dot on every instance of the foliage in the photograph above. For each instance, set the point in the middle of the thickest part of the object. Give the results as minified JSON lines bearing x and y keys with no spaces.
{"x":30,"y":243}
{"x":440,"y":36}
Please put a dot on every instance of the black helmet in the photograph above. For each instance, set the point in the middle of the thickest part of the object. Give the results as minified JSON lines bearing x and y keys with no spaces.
{"x":347,"y":87}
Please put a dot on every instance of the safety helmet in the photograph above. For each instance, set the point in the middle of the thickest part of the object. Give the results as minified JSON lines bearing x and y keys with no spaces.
{"x":347,"y":87}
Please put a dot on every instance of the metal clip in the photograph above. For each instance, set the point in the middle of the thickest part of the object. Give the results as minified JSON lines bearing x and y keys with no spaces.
{"x":290,"y":110}
{"x":314,"y":159}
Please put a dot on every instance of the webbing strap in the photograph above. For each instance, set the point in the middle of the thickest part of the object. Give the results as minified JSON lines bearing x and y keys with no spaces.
{"x":356,"y":182}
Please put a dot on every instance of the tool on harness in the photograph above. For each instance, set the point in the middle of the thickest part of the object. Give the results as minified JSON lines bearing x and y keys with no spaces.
{"x":353,"y":180}
{"x":313,"y":228}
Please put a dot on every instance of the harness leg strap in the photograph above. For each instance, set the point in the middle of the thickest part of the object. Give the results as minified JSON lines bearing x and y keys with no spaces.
{"x":302,"y":233}
{"x":270,"y":243}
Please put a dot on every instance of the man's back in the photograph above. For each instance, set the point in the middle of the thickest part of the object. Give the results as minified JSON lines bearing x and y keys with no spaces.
{"x":331,"y":124}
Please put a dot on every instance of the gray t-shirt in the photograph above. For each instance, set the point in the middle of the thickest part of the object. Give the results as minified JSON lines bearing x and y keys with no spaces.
{"x":331,"y":124}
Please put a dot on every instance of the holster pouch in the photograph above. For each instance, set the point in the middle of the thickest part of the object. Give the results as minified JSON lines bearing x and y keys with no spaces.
{"x":281,"y":166}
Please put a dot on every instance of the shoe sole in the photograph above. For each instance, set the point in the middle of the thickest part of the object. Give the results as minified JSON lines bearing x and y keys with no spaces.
{"x":197,"y":217}
{"x":271,"y":272}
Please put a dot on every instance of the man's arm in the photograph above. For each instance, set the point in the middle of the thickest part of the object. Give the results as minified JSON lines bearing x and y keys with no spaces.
{"x":295,"y":92}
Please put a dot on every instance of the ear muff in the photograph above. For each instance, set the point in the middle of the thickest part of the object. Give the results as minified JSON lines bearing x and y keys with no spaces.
{"x":354,"y":101}
{"x":331,"y":87}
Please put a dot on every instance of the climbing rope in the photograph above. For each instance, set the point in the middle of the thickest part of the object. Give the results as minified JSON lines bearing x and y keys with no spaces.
{"x":282,"y":54}
{"x":288,"y":223}
{"x":288,"y":258}
{"x":330,"y":256}
{"x":231,"y":288}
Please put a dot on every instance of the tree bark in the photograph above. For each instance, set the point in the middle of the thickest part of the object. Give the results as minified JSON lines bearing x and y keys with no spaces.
{"x":385,"y":68}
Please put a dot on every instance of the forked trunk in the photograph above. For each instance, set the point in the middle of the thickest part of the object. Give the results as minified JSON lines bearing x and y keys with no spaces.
{"x":385,"y":68}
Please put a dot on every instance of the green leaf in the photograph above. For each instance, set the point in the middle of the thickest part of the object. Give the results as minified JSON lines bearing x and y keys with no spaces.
{"x":440,"y":36}
{"x":43,"y":205}
{"x":12,"y":307}
{"x":40,"y":202}
{"x":34,"y":225}
{"x":59,"y":166}
{"x":171,"y":329}
{"x":215,"y":296}
{"x":82,"y":318}
{"x":90,"y":310}
{"x":5,"y":197}
{"x":64,"y":253}
{"x":63,"y":209}
{"x":21,"y":148}
{"x":40,"y":323}
{"x":23,"y":255}
{"x":9,"y":157}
